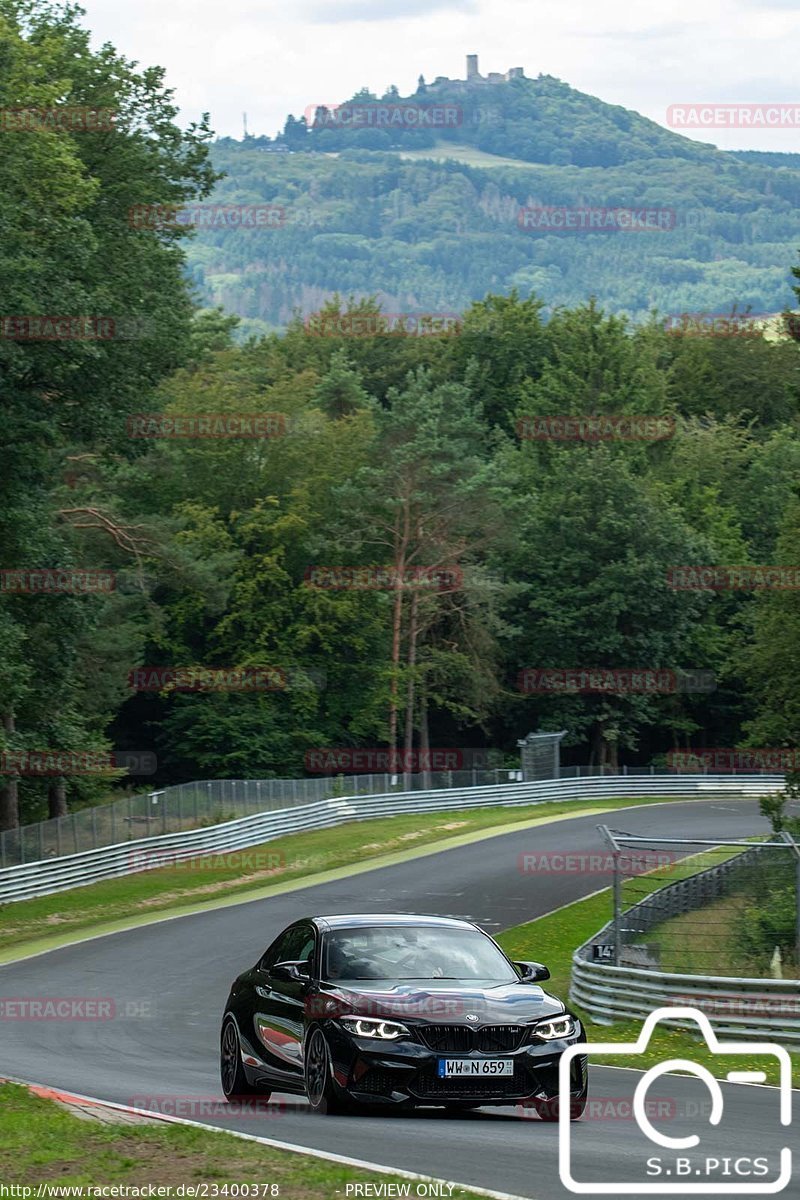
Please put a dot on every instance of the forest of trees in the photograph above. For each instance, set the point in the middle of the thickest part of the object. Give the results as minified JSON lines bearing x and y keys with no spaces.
{"x":423,"y":235}
{"x":541,"y":120}
{"x":391,"y":450}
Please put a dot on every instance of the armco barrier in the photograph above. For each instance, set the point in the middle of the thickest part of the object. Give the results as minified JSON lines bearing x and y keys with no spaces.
{"x":108,"y":862}
{"x":191,"y":805}
{"x":737,"y":1007}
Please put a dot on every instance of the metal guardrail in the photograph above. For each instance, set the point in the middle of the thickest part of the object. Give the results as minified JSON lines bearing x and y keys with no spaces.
{"x":737,"y":1007}
{"x":741,"y":1008}
{"x":126,"y":857}
{"x":210,"y":802}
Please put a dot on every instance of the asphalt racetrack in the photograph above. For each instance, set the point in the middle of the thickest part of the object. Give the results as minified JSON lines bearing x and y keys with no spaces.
{"x":169,"y":982}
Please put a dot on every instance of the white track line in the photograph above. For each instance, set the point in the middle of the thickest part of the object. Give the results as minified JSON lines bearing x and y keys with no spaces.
{"x":739,"y":1083}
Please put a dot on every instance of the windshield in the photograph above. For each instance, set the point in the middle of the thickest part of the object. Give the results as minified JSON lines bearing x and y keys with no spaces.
{"x":418,"y":953}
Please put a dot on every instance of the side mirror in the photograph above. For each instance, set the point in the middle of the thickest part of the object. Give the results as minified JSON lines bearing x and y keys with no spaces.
{"x":532,"y":972}
{"x":296,"y":971}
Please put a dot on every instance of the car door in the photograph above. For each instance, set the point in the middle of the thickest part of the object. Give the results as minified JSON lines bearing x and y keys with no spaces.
{"x":278,"y":1016}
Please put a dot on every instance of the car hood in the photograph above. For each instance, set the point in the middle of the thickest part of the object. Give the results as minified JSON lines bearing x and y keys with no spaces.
{"x":451,"y":1003}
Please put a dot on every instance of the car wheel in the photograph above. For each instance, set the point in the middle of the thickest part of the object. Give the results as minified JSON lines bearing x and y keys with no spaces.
{"x":320,"y":1087}
{"x":234,"y":1081}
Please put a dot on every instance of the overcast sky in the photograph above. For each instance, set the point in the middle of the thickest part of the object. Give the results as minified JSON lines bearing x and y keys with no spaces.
{"x":271,"y":57}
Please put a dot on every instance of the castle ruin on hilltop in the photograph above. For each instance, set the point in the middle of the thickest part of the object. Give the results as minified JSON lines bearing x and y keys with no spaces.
{"x":474,"y":77}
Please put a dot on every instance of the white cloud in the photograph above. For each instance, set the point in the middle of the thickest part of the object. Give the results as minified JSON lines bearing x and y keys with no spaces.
{"x":337,"y":11}
{"x":266,"y":58}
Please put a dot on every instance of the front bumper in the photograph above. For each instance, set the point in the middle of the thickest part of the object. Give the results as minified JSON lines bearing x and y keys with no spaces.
{"x":406,"y":1072}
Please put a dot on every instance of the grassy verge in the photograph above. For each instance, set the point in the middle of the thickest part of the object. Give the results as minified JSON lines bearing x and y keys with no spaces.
{"x":703,"y":942}
{"x":43,"y":1143}
{"x":293,"y":860}
{"x":552,"y":940}
{"x":470,"y":155}
{"x":708,"y":942}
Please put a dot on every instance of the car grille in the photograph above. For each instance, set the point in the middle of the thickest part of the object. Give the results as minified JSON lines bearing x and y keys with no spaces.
{"x":499,"y":1038}
{"x":427,"y":1085}
{"x":449,"y":1038}
{"x":377,"y":1082}
{"x":460,"y":1039}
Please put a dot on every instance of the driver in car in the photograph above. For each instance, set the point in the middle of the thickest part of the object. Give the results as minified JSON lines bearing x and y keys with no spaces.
{"x":346,"y":961}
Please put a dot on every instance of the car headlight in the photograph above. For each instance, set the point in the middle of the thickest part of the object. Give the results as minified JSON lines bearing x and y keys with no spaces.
{"x":558,"y":1027}
{"x":371,"y":1027}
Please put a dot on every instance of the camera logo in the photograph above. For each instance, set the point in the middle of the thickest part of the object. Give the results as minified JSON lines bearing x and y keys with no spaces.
{"x":675,"y":1170}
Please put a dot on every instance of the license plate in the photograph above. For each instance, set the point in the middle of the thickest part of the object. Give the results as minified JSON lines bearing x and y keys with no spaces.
{"x":450,"y":1068}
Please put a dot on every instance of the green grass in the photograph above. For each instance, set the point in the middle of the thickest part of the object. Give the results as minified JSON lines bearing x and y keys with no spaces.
{"x":707,"y":942}
{"x":294,"y":860}
{"x":470,"y":155}
{"x":40,"y":1142}
{"x":552,"y":940}
{"x":702,"y":942}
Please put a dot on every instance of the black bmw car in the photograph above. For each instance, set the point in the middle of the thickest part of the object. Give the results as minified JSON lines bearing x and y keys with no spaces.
{"x":397,"y":1010}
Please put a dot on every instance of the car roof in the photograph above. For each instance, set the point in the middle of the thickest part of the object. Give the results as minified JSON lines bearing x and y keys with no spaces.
{"x":351,"y":920}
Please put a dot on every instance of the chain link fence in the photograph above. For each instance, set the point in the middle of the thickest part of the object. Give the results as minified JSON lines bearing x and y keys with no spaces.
{"x":730,"y":907}
{"x":210,"y":802}
{"x":592,"y":772}
{"x":541,"y":756}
